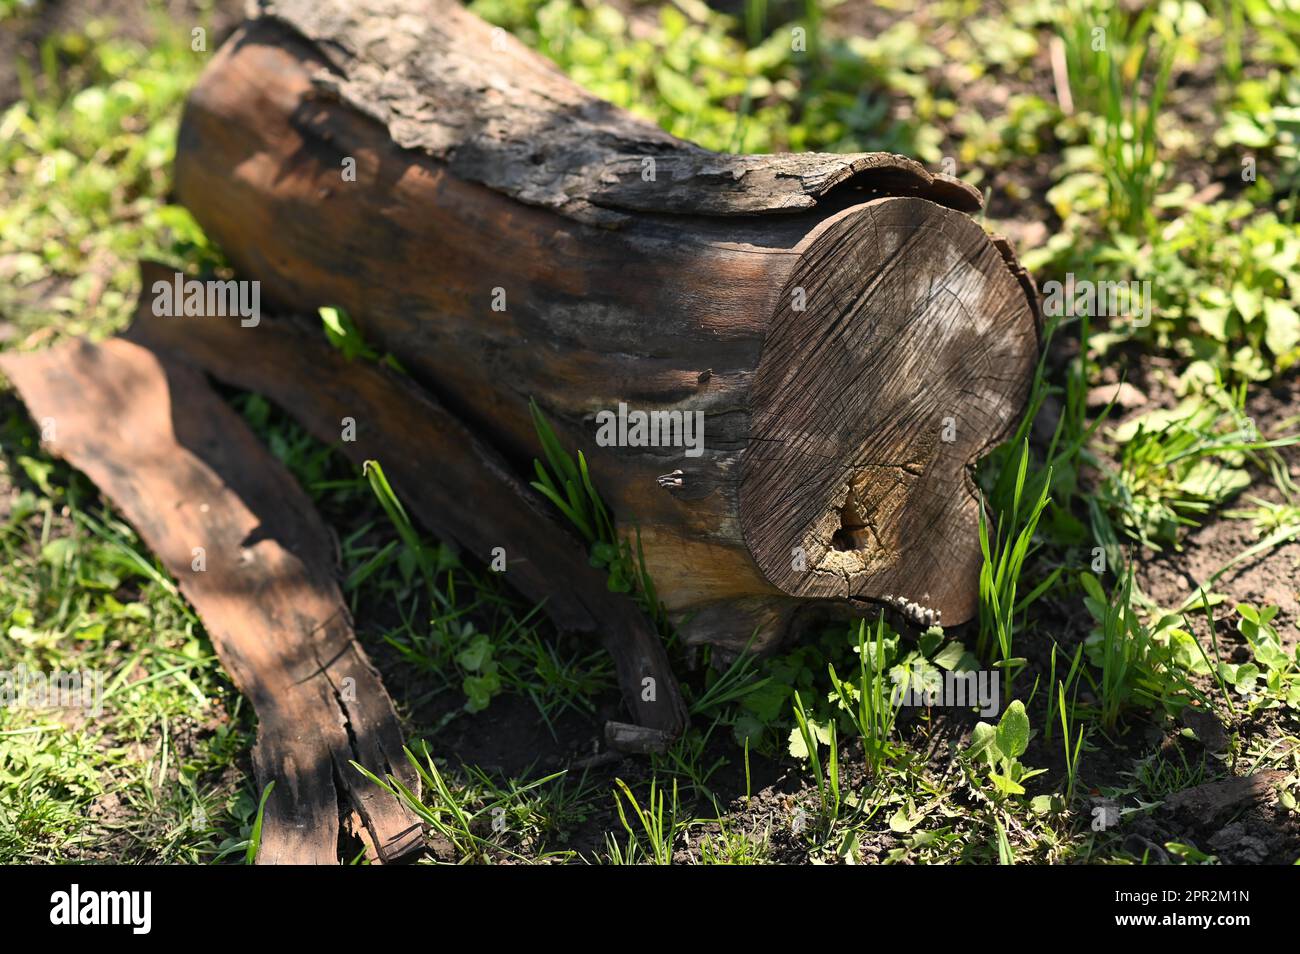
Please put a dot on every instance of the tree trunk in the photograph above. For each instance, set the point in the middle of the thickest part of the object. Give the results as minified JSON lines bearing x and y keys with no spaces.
{"x":853,"y":340}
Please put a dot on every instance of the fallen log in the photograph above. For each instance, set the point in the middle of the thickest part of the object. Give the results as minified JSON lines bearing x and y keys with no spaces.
{"x":851,"y":340}
{"x":248,"y":551}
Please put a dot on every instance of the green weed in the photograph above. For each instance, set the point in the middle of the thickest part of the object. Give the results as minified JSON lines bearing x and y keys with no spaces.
{"x":999,"y":748}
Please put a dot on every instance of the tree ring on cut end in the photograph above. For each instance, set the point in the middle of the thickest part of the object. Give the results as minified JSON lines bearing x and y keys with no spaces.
{"x":901,"y":351}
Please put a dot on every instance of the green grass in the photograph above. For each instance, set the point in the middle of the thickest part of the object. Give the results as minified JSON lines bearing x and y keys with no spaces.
{"x":86,"y":154}
{"x":1176,"y":466}
{"x":651,"y":831}
{"x":481,"y":818}
{"x":870,"y":703}
{"x":1005,"y":551}
{"x":460,"y":624}
{"x":1119,"y":67}
{"x":827,"y":778}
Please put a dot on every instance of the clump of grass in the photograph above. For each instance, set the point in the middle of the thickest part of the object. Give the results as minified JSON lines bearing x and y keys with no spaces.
{"x":1071,"y":752}
{"x":1160,"y":776}
{"x":731,"y":847}
{"x":489,"y":645}
{"x":870,"y":704}
{"x":1005,"y":552}
{"x":1177,"y":466}
{"x":418,"y":553}
{"x":566,"y":482}
{"x":472,"y":816}
{"x":1141,"y":665}
{"x":1065,"y":685}
{"x":658,"y":827}
{"x":1268,"y":516}
{"x":1107,"y":54}
{"x":1125,"y":649}
{"x":255,"y":836}
{"x":826,"y":777}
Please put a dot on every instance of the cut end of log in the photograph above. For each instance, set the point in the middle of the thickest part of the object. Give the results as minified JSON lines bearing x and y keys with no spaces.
{"x":901,"y":351}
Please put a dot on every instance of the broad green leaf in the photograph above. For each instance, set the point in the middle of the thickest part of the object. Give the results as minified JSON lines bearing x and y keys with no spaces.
{"x":984,"y":743}
{"x":1281,"y":326}
{"x":679,"y":92}
{"x":797,"y":747}
{"x":1006,"y":785}
{"x":950,"y":656}
{"x":903,"y":820}
{"x":1247,"y":301}
{"x":476,"y":654}
{"x":1013,"y":731}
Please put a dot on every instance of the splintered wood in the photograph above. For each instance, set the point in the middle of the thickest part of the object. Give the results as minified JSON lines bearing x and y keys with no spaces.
{"x":248,"y":551}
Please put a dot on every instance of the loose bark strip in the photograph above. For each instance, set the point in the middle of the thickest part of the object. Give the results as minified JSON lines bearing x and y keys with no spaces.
{"x":187,"y":473}
{"x":451,"y":86}
{"x":454,"y":484}
{"x":853,"y":339}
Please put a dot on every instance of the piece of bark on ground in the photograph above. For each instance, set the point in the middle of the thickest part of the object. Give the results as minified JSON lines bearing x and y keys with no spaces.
{"x":250,"y":554}
{"x":1211,"y":801}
